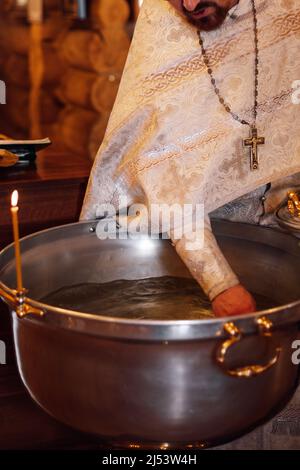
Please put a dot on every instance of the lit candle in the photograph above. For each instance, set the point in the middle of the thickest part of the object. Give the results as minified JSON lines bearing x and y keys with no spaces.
{"x":14,"y":214}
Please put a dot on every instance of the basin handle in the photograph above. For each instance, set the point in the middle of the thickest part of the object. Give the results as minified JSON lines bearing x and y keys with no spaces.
{"x":235,"y":335}
{"x":19,"y":302}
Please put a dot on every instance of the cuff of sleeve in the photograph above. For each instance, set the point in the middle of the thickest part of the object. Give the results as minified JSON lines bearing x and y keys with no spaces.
{"x":221,"y":286}
{"x":208,"y":265}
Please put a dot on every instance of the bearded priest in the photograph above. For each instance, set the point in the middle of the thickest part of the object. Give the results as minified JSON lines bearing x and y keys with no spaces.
{"x":206,"y":113}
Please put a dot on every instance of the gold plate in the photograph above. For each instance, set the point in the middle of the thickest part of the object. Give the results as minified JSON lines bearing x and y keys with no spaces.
{"x":7,"y":158}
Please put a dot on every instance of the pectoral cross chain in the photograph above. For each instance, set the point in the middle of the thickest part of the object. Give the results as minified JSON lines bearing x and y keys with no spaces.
{"x":253,"y":142}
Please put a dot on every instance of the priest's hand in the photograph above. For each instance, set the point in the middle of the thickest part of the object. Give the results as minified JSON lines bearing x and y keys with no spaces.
{"x":233,"y":301}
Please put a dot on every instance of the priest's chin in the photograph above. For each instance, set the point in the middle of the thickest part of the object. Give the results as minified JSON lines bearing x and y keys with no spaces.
{"x":209,"y":22}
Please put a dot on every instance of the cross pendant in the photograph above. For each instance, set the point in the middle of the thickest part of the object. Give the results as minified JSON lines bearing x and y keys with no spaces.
{"x":253,"y":142}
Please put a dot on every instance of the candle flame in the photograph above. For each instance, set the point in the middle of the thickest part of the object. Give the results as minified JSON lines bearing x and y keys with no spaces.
{"x":14,"y":198}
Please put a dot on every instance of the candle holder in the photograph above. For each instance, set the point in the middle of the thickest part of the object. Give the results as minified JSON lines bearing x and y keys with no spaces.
{"x":22,"y":308}
{"x":19,"y":302}
{"x":17,"y":298}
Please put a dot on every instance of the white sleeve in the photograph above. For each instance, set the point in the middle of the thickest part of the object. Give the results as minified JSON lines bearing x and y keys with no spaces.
{"x":208,"y":264}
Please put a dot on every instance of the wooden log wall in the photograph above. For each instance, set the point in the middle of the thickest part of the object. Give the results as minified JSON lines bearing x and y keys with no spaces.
{"x":15,"y":37}
{"x":82,"y":66}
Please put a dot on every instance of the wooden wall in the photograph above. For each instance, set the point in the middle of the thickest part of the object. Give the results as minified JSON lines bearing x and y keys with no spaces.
{"x":62,"y":80}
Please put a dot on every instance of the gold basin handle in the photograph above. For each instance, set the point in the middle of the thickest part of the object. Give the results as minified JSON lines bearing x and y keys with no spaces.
{"x":18,"y":301}
{"x":235,"y":336}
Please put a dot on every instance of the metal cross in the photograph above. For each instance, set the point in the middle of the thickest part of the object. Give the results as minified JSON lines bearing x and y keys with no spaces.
{"x":253,"y":142}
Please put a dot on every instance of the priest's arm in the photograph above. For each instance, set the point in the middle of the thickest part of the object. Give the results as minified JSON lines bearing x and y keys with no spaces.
{"x":212,"y":271}
{"x":206,"y":264}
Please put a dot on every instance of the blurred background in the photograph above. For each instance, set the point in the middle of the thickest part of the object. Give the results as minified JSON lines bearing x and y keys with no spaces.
{"x":62,"y":61}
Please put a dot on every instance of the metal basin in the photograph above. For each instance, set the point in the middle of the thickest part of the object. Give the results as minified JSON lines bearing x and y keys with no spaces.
{"x":145,"y":383}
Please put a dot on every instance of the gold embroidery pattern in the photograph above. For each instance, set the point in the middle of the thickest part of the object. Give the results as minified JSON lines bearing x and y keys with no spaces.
{"x":281,"y":28}
{"x":143,"y":164}
{"x":274,"y":102}
{"x":136,"y":165}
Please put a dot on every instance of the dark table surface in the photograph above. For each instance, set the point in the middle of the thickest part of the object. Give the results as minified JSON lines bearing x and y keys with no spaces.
{"x":51,"y":192}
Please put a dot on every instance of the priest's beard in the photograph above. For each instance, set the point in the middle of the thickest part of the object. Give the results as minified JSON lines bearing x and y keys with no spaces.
{"x":209,"y":22}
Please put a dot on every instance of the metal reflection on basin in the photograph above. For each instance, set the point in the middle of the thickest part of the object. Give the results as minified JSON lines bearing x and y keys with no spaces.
{"x":143,"y":382}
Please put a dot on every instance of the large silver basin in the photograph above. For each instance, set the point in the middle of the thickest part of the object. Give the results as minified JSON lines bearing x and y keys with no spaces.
{"x":147,"y":383}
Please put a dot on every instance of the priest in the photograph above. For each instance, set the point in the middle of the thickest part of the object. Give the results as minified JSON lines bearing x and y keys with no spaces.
{"x":205,"y":114}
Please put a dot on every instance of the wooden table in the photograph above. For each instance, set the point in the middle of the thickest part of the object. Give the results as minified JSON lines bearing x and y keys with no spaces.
{"x":51,"y":193}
